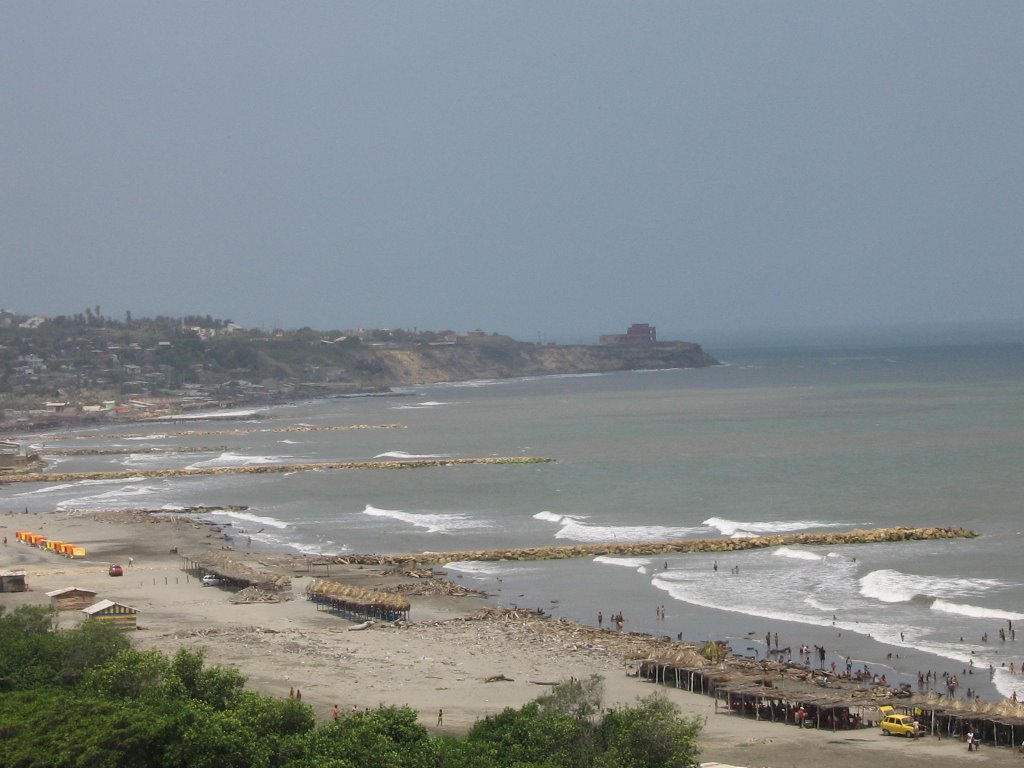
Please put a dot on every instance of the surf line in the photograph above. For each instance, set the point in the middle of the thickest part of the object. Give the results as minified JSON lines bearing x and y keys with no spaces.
{"x":673,"y":546}
{"x":263,"y":469}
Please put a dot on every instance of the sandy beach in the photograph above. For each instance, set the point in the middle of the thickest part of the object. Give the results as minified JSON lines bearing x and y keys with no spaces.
{"x":441,"y":660}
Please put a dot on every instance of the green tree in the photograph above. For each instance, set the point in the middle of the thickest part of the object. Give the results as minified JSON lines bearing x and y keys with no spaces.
{"x":90,"y":644}
{"x":580,"y":699}
{"x":651,"y":734}
{"x":217,"y":686}
{"x":529,"y":737}
{"x":30,"y":650}
{"x":129,"y":675}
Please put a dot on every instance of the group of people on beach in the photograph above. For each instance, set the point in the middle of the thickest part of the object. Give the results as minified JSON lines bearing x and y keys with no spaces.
{"x":615,"y":619}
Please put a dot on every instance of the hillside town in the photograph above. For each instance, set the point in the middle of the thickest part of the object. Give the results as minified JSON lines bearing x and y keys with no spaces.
{"x":86,"y":368}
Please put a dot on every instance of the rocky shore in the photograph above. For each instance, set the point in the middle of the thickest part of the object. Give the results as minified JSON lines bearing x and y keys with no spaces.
{"x":654,"y":548}
{"x":263,"y":469}
{"x":300,"y":428}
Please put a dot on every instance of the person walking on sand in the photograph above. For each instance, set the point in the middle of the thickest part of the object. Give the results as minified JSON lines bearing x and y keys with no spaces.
{"x":335,"y":712}
{"x":440,"y":718}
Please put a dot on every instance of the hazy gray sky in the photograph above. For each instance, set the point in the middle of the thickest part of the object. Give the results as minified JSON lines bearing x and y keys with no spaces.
{"x":552,"y":168}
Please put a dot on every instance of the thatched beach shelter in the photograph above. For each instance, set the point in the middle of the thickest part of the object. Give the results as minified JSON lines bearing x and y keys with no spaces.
{"x":232,"y":572}
{"x":1000,"y":724}
{"x":356,"y":602}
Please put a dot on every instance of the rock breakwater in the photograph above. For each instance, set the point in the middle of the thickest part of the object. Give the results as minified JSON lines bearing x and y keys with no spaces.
{"x":264,"y":469}
{"x":298,"y":428}
{"x":669,"y":547}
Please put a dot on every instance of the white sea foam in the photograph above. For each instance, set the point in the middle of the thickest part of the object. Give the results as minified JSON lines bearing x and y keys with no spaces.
{"x":327,"y":548}
{"x":890,"y":586}
{"x":436,"y":522}
{"x":287,"y":442}
{"x":230,"y":459}
{"x":736,"y":530}
{"x":550,"y":517}
{"x":79,"y":484}
{"x":576,"y":529}
{"x":117,"y":498}
{"x":148,"y":437}
{"x":820,"y":605}
{"x":475,"y":568}
{"x":146,"y":459}
{"x":580,"y":531}
{"x":211,"y":415}
{"x":1008,"y":684}
{"x":975,"y":611}
{"x":262,"y":520}
{"x":638,"y":563}
{"x":797,"y":554}
{"x":404,"y":455}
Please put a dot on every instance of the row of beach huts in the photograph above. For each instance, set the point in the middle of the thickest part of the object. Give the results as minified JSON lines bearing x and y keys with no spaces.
{"x":70,"y":598}
{"x":40,"y":541}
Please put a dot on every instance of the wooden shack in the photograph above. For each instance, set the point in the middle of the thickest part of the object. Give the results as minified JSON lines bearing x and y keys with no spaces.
{"x":13,"y":581}
{"x":71,"y":598}
{"x":123,"y":617}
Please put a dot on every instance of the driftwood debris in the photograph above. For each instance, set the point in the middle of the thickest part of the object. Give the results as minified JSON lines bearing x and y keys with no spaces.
{"x":498,"y":679}
{"x":254,"y":595}
{"x":434,"y":587}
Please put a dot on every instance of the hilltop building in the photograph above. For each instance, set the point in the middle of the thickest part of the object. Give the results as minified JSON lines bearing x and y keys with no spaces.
{"x":637,"y":333}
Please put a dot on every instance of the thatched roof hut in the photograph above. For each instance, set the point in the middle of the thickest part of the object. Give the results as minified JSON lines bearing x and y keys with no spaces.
{"x":234,"y":573}
{"x":357,"y":602}
{"x":1000,"y":723}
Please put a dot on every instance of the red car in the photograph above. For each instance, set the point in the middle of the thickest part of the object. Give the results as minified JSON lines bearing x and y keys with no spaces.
{"x":115,"y":570}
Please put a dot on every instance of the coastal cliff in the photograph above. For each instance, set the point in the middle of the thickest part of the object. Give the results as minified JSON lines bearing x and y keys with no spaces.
{"x":500,"y":358}
{"x":81,"y":371}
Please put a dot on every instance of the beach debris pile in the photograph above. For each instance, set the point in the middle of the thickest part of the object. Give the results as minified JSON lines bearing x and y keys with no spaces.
{"x":435,"y":587}
{"x":254,"y":595}
{"x":572,"y":636}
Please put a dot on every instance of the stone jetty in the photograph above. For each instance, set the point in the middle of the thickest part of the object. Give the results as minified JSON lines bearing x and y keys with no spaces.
{"x":264,"y":469}
{"x":126,"y":450}
{"x":670,"y":547}
{"x":299,"y":428}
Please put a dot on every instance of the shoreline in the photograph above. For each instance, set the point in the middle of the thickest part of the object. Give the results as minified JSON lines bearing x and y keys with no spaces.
{"x":443,"y":658}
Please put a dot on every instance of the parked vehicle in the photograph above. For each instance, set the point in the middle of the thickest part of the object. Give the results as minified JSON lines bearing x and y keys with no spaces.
{"x":209,"y":580}
{"x":115,"y":570}
{"x":898,"y":725}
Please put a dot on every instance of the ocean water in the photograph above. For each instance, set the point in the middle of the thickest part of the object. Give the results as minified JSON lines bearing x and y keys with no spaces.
{"x":773,"y":441}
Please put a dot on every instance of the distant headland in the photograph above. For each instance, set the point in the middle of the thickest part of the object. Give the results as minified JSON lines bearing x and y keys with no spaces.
{"x":87,"y":367}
